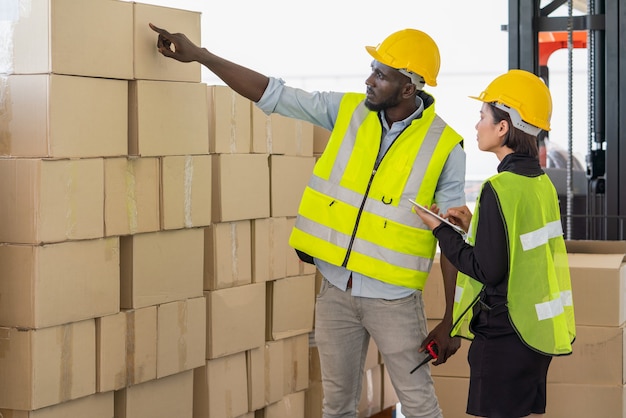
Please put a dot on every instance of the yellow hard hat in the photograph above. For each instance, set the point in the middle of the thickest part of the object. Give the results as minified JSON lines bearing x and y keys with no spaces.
{"x":524,"y":96}
{"x":411,"y":50}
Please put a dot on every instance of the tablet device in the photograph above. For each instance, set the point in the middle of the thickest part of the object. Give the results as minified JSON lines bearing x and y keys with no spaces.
{"x":447,"y":222}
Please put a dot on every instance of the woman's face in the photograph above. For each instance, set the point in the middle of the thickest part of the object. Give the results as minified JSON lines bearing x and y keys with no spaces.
{"x":490,"y":135}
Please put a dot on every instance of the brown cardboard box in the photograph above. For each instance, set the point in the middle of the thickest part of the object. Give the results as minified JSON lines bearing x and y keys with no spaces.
{"x":290,"y":406}
{"x":290,"y":306}
{"x":185,"y":191}
{"x":320,"y":139}
{"x":149,"y":64}
{"x":47,"y":366}
{"x":111,"y":352}
{"x":296,"y":363}
{"x":241,"y":187}
{"x":131,"y":195}
{"x":255,"y":361}
{"x":264,"y":141}
{"x":229,"y":121}
{"x":167,"y":118}
{"x":55,"y":284}
{"x":597,"y":358}
{"x":51,"y":200}
{"x":235,"y":319}
{"x":289,"y":176}
{"x":452,"y":395}
{"x":298,"y":135}
{"x":371,"y":392}
{"x":220,"y":388}
{"x":434,"y":295}
{"x":72,"y":37}
{"x":269,"y":260}
{"x":181,"y":336}
{"x":293,"y":261}
{"x":313,"y":399}
{"x":141,"y":345}
{"x":567,"y":400}
{"x":99,"y":405}
{"x":171,"y":396}
{"x":598,"y":281}
{"x":161,"y":267}
{"x":274,"y":371}
{"x":63,"y":116}
{"x":227,"y":255}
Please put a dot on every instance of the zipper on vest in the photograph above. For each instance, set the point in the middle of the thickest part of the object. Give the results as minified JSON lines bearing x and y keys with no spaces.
{"x":358,"y":218}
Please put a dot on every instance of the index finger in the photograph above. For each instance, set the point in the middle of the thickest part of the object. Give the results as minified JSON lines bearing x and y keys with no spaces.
{"x":159,"y":30}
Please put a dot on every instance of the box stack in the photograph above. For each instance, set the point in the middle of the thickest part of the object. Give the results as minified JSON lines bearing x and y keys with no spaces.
{"x":144,"y":259}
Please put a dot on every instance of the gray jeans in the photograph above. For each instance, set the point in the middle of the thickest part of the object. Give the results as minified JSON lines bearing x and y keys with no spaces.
{"x":343,"y":326}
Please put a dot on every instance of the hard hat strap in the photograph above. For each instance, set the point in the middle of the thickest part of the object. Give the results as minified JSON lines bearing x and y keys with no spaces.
{"x":517,"y":121}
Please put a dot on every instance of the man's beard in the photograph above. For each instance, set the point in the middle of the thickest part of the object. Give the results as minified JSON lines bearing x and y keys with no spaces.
{"x":390,"y":102}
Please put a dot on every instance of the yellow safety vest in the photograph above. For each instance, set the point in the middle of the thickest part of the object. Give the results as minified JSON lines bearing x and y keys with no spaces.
{"x":539,"y":295}
{"x":355,"y":215}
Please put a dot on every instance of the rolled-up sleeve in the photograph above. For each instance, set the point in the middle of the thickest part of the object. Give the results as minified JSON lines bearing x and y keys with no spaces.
{"x":318,"y":108}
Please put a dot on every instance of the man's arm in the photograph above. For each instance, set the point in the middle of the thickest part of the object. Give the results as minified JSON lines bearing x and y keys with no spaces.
{"x":248,"y":83}
{"x":441,"y":333}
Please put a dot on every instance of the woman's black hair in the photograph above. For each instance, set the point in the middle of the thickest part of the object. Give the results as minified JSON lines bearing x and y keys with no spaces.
{"x":516,"y":139}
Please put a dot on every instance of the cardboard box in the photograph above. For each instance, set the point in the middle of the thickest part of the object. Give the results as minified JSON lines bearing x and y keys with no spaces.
{"x":181,"y":336}
{"x":290,"y":306}
{"x":274,"y":371}
{"x":48,"y":201}
{"x":241,"y":187}
{"x":186,"y":191}
{"x":171,"y":396}
{"x":220,"y":388}
{"x":63,"y":116}
{"x":47,"y":366}
{"x":255,"y":361}
{"x":269,"y":258}
{"x":313,"y":399}
{"x":597,"y":358}
{"x":289,"y":177}
{"x":229,"y":121}
{"x":111,"y":352}
{"x":293,"y":261}
{"x":297,"y":134}
{"x":167,"y":118}
{"x":55,"y":284}
{"x":235,"y":319}
{"x":452,"y":395}
{"x":290,"y":406}
{"x":99,"y":405}
{"x":371,"y":392}
{"x":71,"y":37}
{"x":296,"y":363}
{"x":320,"y":139}
{"x":598,"y":280}
{"x":161,"y":267}
{"x":263,"y":141}
{"x":227,"y":256}
{"x":131,"y":195}
{"x":141,"y":345}
{"x":149,"y":64}
{"x":434,"y":295}
{"x":567,"y":400}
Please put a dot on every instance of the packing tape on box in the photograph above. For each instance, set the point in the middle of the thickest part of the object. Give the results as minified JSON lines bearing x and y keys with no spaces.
{"x":183,"y":320}
{"x":234,"y":245}
{"x":268,"y":134}
{"x":130,"y":347}
{"x":233,"y":122}
{"x":188,"y":182}
{"x":130,"y":179}
{"x":65,"y":335}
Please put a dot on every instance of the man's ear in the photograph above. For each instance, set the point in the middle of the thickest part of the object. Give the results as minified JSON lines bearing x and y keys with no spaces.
{"x":409,"y":90}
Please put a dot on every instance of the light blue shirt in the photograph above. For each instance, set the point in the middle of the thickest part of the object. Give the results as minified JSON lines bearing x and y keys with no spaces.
{"x":321,"y":108}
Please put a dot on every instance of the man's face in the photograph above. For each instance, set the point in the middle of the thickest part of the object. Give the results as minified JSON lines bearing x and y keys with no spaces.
{"x":384,"y":87}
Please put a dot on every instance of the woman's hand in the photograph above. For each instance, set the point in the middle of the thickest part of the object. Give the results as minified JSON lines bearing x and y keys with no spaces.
{"x":460,"y":216}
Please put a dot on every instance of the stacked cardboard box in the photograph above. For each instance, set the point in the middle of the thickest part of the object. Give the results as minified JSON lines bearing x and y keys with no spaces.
{"x":144,"y":259}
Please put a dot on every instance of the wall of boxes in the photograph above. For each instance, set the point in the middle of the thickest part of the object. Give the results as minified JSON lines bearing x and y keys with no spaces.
{"x":144,"y":223}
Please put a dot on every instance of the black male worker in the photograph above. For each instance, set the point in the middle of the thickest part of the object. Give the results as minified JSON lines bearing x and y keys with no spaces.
{"x":355,"y":221}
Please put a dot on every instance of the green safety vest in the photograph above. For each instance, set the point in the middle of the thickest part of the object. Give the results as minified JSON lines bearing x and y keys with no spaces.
{"x":359,"y":217}
{"x":539,"y":297}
